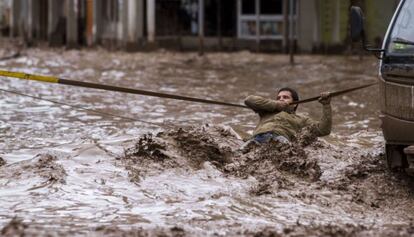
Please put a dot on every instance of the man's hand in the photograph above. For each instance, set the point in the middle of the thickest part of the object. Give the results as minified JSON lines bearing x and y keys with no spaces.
{"x":325,"y":98}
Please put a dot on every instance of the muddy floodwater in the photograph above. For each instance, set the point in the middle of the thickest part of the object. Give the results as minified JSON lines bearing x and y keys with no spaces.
{"x":176,"y":169}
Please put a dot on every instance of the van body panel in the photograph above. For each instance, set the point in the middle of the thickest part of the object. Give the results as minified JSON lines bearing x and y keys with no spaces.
{"x":397,"y":131}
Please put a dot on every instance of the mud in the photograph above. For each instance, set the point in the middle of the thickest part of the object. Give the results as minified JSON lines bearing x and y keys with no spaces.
{"x":70,"y":172}
{"x":187,"y":147}
{"x":42,"y":165}
{"x":2,"y":161}
{"x":370,"y":183}
{"x":333,"y":230}
{"x":288,"y":171}
{"x":171,"y":232}
{"x":273,"y":164}
{"x":16,"y":227}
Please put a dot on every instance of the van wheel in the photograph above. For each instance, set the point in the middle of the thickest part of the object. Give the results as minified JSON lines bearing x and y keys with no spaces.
{"x":394,"y":157}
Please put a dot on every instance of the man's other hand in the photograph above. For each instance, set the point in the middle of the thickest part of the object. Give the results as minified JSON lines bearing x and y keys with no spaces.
{"x":325,"y":98}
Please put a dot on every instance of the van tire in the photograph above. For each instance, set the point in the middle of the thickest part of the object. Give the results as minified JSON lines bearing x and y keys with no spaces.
{"x":394,"y":156}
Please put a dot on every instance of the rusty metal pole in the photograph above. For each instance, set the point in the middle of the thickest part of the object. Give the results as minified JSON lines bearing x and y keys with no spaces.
{"x":201,"y":27}
{"x":89,"y":22}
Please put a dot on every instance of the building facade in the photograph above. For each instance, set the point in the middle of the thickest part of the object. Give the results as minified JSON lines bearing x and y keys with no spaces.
{"x":313,"y":25}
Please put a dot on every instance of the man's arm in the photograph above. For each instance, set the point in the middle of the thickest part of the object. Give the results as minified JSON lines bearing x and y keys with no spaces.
{"x":262,"y":105}
{"x":325,"y":123}
{"x":324,"y":126}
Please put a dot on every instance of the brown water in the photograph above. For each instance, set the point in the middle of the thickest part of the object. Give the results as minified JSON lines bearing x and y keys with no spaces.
{"x":73,"y":172}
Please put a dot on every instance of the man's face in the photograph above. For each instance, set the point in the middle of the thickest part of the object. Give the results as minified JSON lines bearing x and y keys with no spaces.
{"x":285,"y":96}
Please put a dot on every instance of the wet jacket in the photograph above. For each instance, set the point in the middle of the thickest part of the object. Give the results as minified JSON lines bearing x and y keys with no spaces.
{"x":273,"y":119}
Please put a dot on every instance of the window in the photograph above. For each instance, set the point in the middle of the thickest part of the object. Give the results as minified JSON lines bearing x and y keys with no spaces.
{"x":271,"y":7}
{"x":269,"y":28}
{"x":248,"y":28}
{"x":248,"y":7}
{"x":262,"y":18}
{"x":402,"y":34}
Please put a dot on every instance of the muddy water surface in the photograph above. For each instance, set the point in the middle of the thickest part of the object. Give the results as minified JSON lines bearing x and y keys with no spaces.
{"x":66,"y":171}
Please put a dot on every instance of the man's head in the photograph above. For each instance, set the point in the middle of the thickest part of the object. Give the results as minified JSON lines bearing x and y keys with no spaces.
{"x":288,"y":95}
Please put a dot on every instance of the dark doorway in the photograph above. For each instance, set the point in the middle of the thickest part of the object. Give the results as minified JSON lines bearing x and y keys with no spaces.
{"x":82,"y":21}
{"x":168,"y":20}
{"x":180,"y":17}
{"x":43,"y":19}
{"x":220,"y":18}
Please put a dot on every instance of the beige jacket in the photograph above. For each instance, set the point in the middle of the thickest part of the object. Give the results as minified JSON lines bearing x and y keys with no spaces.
{"x":273,"y":119}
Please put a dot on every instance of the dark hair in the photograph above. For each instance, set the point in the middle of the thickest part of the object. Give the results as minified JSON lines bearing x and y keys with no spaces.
{"x":294,"y":94}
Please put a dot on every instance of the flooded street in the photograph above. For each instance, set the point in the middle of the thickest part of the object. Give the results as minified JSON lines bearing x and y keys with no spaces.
{"x":177,"y":170}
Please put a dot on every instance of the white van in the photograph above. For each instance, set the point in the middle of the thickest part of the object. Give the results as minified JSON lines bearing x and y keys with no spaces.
{"x":396,"y":82}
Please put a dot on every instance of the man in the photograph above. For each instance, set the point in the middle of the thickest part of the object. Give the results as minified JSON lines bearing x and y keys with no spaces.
{"x":278,"y":118}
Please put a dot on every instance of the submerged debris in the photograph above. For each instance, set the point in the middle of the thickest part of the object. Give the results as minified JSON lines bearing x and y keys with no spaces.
{"x":47,"y":168}
{"x":15,"y":227}
{"x":148,"y":147}
{"x":370,"y":183}
{"x":332,"y":229}
{"x":2,"y":161}
{"x":42,"y":165}
{"x":166,"y":232}
{"x":313,"y":230}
